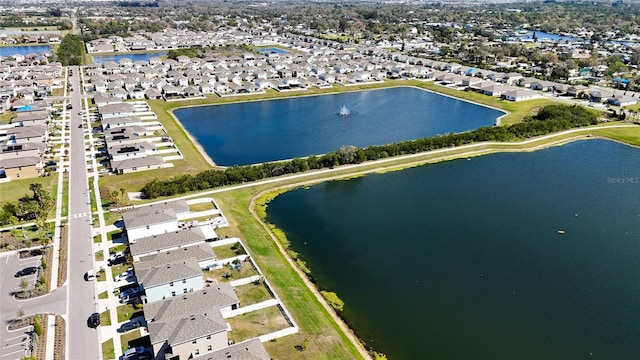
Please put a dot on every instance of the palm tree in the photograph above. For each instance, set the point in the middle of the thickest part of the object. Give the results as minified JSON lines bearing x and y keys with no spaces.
{"x":122,"y":191}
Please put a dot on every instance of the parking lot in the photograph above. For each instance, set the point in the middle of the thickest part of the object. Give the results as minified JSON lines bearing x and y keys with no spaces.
{"x":14,"y":343}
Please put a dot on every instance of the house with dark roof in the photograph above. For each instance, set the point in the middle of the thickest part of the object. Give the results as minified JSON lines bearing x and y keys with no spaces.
{"x":184,"y":237}
{"x":135,"y":164}
{"x":174,"y":276}
{"x":251,"y":349}
{"x":143,"y":224}
{"x":189,"y":325}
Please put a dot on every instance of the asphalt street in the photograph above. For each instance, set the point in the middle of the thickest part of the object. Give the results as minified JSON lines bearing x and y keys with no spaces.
{"x":82,"y":342}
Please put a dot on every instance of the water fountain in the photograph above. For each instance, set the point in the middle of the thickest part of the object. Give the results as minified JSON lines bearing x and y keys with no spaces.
{"x":344,"y":111}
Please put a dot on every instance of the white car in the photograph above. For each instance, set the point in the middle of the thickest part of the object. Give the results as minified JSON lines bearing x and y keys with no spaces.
{"x":125,"y":275}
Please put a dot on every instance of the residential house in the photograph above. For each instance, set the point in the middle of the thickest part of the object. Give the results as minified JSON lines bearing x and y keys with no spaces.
{"x":251,"y":349}
{"x":173,"y":272}
{"x":153,"y":219}
{"x":520,"y":95}
{"x":189,"y":325}
{"x":183,"y":237}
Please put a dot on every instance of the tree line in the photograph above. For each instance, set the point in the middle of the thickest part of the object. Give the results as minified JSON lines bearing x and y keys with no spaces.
{"x":552,"y":118}
{"x":70,"y":50}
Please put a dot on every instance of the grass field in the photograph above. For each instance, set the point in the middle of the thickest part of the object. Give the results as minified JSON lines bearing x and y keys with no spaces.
{"x":15,"y":189}
{"x":256,"y":323}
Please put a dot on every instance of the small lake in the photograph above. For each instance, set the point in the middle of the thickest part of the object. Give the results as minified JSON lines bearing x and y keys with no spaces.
{"x":463,"y":259}
{"x":23,"y":50}
{"x":101,"y":59}
{"x":274,"y":50}
{"x":549,"y":36}
{"x":261,"y":131}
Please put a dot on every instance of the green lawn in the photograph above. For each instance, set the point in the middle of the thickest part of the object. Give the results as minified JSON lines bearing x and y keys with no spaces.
{"x":224,"y":252}
{"x":252,"y":293}
{"x":126,"y":338}
{"x":103,"y":295}
{"x":256,"y":323}
{"x":119,"y":269}
{"x":108,"y":351}
{"x":105,"y":318}
{"x":99,"y":255}
{"x":15,"y":189}
{"x":118,"y":248}
{"x":127,"y":312}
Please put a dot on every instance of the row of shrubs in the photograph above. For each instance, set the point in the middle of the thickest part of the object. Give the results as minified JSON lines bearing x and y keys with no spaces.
{"x":552,"y":118}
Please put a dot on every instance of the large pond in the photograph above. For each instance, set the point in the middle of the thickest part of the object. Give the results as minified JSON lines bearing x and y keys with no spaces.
{"x":23,"y":50}
{"x":466,"y":259}
{"x":253,"y":132}
{"x":101,"y":59}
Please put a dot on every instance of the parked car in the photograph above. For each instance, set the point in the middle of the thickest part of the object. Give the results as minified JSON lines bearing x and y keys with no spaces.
{"x":128,"y":326}
{"x":117,"y":260}
{"x":134,"y":353}
{"x":130,"y":293}
{"x":94,"y":320}
{"x":90,"y":275}
{"x":124,"y":276}
{"x":27,"y":271}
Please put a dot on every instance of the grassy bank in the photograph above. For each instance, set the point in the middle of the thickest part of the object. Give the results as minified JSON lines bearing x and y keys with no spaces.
{"x":326,"y":340}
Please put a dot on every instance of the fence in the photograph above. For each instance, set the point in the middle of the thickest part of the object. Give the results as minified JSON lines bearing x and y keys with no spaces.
{"x":245,"y":281}
{"x":250,"y":308}
{"x":278,"y":334}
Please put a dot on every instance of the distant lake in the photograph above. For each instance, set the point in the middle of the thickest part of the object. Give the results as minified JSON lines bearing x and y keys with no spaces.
{"x":261,"y":131}
{"x":101,"y":59}
{"x":23,"y":50}
{"x":463,"y":259}
{"x":549,"y":36}
{"x":272,"y":50}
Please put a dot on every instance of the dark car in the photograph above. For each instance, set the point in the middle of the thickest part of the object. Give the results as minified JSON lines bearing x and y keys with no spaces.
{"x":94,"y":320}
{"x":27,"y":271}
{"x":117,"y":260}
{"x":128,"y":326}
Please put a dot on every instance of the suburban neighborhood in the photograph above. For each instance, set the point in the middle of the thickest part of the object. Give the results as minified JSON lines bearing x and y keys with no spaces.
{"x":94,"y":266}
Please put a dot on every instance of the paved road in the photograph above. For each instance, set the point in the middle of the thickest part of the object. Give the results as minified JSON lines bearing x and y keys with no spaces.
{"x":82,"y":302}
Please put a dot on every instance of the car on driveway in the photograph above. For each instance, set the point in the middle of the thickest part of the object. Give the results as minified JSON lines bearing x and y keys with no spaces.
{"x":27,"y":271}
{"x":94,"y":320}
{"x":137,"y":352}
{"x":130,"y":293}
{"x":128,"y":326}
{"x":116,"y":260}
{"x":124,"y":276}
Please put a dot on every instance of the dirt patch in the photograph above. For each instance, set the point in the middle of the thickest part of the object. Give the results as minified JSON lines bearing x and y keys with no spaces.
{"x":39,"y":347}
{"x":58,"y":347}
{"x":24,"y":254}
{"x":62,"y":264}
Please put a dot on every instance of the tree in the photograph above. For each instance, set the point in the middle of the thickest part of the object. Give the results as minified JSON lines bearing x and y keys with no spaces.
{"x":70,"y":50}
{"x":122,"y":192}
{"x":336,"y":303}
